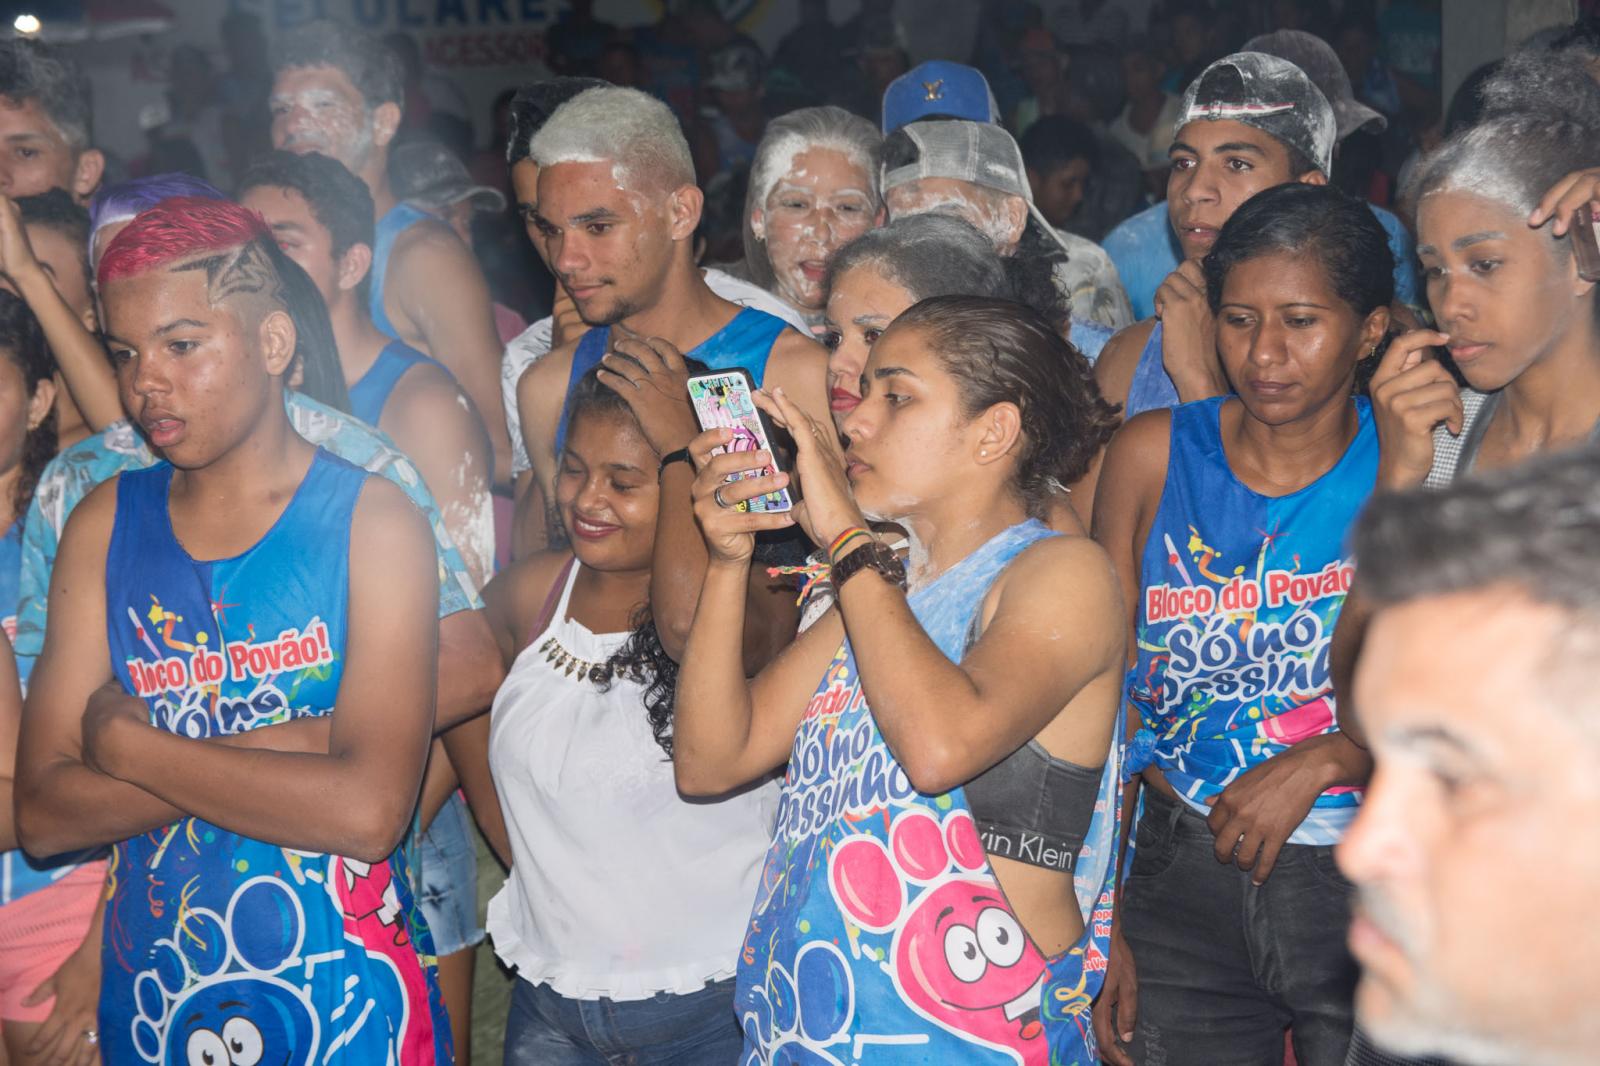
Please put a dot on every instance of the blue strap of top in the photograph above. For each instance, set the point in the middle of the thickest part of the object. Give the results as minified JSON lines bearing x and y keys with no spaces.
{"x":399,"y":218}
{"x":746,"y":342}
{"x":1151,"y":389}
{"x":370,"y":395}
{"x":946,"y":607}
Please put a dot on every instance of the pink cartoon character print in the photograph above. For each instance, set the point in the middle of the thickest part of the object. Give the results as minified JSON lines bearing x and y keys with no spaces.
{"x":958,"y":956}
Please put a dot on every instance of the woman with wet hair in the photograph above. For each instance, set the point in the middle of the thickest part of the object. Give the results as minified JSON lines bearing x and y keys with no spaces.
{"x":813,"y":189}
{"x":1226,"y":520}
{"x":945,"y":830}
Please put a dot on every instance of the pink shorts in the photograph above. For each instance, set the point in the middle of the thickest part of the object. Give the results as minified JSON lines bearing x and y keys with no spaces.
{"x":38,"y":932}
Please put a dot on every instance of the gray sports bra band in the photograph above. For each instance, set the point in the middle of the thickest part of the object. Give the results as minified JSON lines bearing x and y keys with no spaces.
{"x":1032,"y":807}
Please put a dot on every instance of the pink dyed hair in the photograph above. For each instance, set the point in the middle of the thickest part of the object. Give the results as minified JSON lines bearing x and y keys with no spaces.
{"x":177,"y":228}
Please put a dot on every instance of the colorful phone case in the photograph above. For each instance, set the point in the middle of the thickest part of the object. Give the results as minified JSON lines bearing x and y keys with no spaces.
{"x":725,"y":400}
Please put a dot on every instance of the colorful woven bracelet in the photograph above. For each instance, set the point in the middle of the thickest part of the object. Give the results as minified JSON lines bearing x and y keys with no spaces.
{"x":845,"y":540}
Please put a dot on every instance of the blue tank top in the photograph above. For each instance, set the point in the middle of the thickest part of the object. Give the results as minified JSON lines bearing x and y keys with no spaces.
{"x":746,"y":341}
{"x":879,"y":923}
{"x":1239,"y":593}
{"x":1151,"y":389}
{"x":370,"y":395}
{"x":212,"y":937}
{"x":397,"y":220}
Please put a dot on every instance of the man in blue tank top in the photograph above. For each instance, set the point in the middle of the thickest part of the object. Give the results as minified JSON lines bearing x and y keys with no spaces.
{"x":617,"y":211}
{"x":338,"y":90}
{"x":1249,"y":122}
{"x":321,"y":214}
{"x":258,"y":904}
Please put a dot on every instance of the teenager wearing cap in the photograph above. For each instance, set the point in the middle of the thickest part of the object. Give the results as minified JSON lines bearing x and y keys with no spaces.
{"x":1147,"y":247}
{"x":338,"y":91}
{"x":1249,"y":122}
{"x":975,"y":171}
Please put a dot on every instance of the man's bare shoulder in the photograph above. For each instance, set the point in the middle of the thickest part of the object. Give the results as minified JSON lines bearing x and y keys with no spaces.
{"x":1120,"y":358}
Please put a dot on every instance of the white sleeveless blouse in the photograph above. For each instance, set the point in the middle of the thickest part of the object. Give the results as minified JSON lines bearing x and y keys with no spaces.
{"x":619,"y":886}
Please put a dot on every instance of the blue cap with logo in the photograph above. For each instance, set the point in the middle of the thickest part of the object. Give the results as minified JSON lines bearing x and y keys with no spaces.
{"x":938,"y":88}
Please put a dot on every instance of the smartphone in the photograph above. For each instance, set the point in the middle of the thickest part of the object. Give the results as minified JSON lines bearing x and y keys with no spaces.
{"x":725,"y":399}
{"x":1585,"y":242}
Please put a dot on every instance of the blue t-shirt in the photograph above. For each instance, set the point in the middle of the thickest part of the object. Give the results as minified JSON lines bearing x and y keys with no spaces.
{"x":1238,"y":597}
{"x":880,"y":932}
{"x":215,"y":941}
{"x":1146,"y":250}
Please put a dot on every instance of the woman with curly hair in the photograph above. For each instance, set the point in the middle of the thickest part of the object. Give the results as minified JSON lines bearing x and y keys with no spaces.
{"x":623,"y":912}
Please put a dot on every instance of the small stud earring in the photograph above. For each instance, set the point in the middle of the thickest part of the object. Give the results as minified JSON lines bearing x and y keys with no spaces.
{"x":983,"y":452}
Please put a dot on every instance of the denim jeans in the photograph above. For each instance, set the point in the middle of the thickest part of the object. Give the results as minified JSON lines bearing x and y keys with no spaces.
{"x":545,"y":1028}
{"x":1224,"y":967}
{"x":447,"y":867}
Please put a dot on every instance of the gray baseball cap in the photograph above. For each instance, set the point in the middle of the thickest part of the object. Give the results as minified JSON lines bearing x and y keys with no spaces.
{"x":1269,"y":93}
{"x":1321,"y":64}
{"x":980,"y":152}
{"x":429,"y":175}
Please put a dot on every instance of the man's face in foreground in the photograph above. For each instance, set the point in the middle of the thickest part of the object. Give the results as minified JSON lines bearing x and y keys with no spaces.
{"x":1475,"y":853}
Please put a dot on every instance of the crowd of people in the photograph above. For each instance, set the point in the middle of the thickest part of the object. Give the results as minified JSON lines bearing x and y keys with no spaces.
{"x":1167,"y":650}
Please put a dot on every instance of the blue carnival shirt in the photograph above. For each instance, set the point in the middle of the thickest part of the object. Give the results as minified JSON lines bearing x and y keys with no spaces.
{"x":879,"y":932}
{"x":1146,"y":250}
{"x":78,"y":469}
{"x":219,"y":947}
{"x":74,"y":472}
{"x":1239,"y":594}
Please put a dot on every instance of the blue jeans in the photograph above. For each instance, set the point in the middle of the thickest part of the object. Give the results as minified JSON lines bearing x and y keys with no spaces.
{"x":1224,"y":967}
{"x":447,"y":872}
{"x":545,"y":1028}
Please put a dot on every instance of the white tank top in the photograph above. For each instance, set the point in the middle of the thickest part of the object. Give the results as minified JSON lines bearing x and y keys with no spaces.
{"x":618,"y":887}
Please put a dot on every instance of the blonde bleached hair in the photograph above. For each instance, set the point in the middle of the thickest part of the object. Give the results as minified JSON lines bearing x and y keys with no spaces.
{"x":635,"y":132}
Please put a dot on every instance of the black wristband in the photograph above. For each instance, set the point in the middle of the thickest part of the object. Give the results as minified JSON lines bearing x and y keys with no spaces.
{"x":679,"y":456}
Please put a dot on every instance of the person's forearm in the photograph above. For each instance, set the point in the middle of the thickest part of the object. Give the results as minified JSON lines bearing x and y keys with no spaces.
{"x":468,"y":748}
{"x":472,"y":351}
{"x":1195,"y":384}
{"x":1349,"y":633}
{"x":711,"y":726}
{"x":1130,"y":810}
{"x":438,"y":784}
{"x":341,"y":804}
{"x":71,"y":807}
{"x":1335,"y":760}
{"x":79,"y":353}
{"x":678,"y":566}
{"x":918,"y":695}
{"x":470,"y":669}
